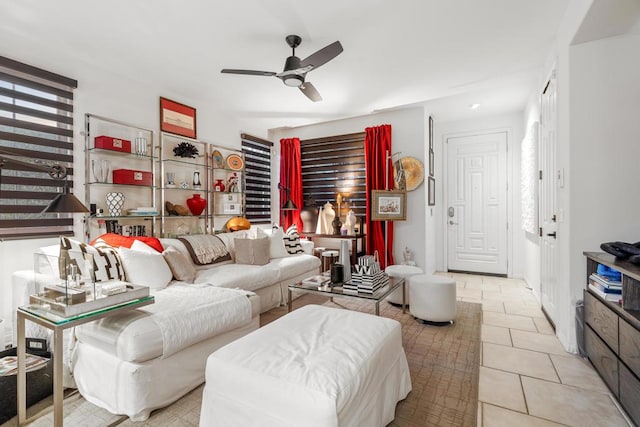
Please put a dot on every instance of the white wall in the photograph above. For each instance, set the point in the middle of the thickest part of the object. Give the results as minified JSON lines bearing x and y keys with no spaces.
{"x":106,"y":94}
{"x":409,"y":133}
{"x":512,"y":124}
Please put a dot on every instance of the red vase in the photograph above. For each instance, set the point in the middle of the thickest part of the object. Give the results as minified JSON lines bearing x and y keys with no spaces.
{"x":219,"y":185}
{"x":196,"y":204}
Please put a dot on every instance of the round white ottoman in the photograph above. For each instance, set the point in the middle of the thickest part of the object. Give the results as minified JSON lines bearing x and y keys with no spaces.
{"x":404,"y":271}
{"x":433,"y":298}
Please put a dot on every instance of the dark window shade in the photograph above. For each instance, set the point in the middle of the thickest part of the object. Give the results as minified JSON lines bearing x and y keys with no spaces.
{"x":257,"y":158}
{"x":36,"y":125}
{"x":335,"y":165}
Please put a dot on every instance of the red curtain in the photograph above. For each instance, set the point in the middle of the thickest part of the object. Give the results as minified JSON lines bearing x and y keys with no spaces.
{"x":377,"y":145}
{"x":291,"y":178}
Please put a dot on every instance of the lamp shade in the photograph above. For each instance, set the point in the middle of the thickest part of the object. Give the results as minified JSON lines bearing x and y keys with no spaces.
{"x":65,"y":202}
{"x":289,"y":206}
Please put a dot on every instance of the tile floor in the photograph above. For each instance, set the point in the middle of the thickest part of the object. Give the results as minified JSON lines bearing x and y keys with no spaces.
{"x":526,"y":377}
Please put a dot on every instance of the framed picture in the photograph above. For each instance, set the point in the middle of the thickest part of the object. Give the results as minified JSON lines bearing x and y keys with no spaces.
{"x":388,"y":205}
{"x":177,"y":118}
{"x":432,"y":191}
{"x":231,"y":197}
{"x":430,"y":133}
{"x":231,"y":208}
{"x":431,"y":163}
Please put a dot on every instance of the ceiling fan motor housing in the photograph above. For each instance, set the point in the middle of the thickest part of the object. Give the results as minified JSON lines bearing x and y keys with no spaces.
{"x":295,"y":80}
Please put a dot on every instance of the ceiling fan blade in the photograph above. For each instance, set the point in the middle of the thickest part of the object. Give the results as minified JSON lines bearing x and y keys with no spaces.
{"x":248,"y":72}
{"x":310,"y":91}
{"x":323,"y":56}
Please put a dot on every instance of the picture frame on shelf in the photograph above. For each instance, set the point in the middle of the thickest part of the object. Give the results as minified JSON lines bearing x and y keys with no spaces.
{"x":432,"y":191}
{"x":177,"y":118}
{"x":231,"y":208}
{"x":389,"y":205}
{"x":231,"y":198}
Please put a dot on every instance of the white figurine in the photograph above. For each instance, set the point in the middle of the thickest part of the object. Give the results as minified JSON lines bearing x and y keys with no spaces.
{"x":350,"y":222}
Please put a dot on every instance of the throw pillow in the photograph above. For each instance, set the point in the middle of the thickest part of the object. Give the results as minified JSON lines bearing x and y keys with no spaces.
{"x":105,"y":263}
{"x":276,"y":245}
{"x":179,"y":265}
{"x":138,"y":245}
{"x":252,"y":251}
{"x":145,"y":268}
{"x":206,"y":249}
{"x":292,"y":241}
{"x":116,"y":240}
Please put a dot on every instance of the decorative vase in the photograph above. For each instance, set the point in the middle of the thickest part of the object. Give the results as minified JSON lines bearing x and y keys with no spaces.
{"x":328,"y":217}
{"x":196,"y":204}
{"x":115,"y":202}
{"x":309,"y":216}
{"x":350,"y":222}
{"x":196,"y":180}
{"x":336,"y":224}
{"x":345,"y":260}
{"x":219,"y":185}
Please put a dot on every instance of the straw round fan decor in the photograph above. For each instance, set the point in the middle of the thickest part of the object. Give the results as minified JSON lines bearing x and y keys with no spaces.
{"x":408,"y":173}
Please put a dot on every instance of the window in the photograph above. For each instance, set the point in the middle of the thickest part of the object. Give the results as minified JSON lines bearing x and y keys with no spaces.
{"x":36,"y":125}
{"x":335,"y":165}
{"x":257,"y":155}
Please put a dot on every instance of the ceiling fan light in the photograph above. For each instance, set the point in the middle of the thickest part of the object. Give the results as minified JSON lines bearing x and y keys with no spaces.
{"x":293,"y":80}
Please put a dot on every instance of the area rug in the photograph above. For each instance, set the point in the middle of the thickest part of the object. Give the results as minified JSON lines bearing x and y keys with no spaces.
{"x":444,"y":361}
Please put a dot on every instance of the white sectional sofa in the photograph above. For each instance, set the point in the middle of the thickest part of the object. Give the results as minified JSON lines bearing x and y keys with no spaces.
{"x":145,"y":359}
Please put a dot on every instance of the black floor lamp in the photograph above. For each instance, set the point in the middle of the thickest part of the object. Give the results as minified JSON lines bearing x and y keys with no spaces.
{"x":64,"y":202}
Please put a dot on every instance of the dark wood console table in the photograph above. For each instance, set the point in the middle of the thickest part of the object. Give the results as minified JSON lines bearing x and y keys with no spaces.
{"x":354,"y":242}
{"x":612,"y":333}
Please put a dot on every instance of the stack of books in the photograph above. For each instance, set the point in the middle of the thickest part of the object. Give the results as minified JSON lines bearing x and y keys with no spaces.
{"x":609,"y":290}
{"x":350,"y":287}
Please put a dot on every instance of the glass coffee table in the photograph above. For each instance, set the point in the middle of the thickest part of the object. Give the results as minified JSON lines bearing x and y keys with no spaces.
{"x":337,"y":291}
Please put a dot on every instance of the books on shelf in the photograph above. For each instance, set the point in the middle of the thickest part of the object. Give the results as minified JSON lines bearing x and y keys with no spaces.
{"x":605,"y":281}
{"x":607,"y":296}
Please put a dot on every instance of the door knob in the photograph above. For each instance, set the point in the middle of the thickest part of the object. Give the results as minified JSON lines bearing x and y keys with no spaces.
{"x":452,"y":223}
{"x":552,"y":234}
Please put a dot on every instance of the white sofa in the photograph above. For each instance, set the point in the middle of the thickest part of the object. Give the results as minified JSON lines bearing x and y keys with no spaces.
{"x":119,"y":363}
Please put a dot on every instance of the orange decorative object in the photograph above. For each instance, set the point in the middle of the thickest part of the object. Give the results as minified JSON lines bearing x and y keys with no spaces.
{"x":235,"y":162}
{"x":238,"y":223}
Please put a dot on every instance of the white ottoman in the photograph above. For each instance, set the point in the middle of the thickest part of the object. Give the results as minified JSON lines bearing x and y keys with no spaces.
{"x":404,"y":271}
{"x":315,"y":367}
{"x":433,"y":298}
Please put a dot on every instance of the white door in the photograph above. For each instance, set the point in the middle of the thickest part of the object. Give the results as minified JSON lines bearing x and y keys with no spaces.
{"x":547,"y":208}
{"x":477,"y":203}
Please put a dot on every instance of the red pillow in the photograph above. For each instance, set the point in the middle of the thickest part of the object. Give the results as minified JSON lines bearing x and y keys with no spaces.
{"x":117,"y":240}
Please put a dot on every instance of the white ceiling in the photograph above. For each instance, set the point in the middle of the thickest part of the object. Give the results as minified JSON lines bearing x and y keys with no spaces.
{"x":450,"y":53}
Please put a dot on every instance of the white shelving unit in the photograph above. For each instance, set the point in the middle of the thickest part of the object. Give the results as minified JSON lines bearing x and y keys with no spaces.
{"x":99,"y":166}
{"x":227,"y":184}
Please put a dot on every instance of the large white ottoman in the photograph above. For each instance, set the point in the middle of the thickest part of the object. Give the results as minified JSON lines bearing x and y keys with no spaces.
{"x":433,"y":298}
{"x":404,"y":271}
{"x":316,"y":366}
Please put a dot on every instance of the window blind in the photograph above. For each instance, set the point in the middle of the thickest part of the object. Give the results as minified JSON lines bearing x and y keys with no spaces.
{"x":257,"y":156}
{"x":333,"y":165}
{"x":36,"y":125}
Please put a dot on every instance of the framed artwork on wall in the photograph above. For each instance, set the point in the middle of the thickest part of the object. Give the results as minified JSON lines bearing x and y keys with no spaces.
{"x":177,"y":118}
{"x":388,"y":205}
{"x":432,"y":191}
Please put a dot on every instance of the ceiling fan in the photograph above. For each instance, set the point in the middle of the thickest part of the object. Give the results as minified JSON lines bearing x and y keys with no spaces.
{"x":296,"y":69}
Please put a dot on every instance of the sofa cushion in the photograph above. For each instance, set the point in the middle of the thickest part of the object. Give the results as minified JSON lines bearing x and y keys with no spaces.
{"x":294,"y":265}
{"x":206,"y":249}
{"x":106,"y":262}
{"x":116,"y":240}
{"x":180,"y":266}
{"x":276,"y":246}
{"x":291,"y":240}
{"x":229,"y":239}
{"x":145,"y":268}
{"x":243,"y":276}
{"x":252,"y":251}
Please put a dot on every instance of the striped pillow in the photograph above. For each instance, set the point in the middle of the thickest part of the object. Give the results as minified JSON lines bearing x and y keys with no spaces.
{"x":292,"y":241}
{"x":106,"y":261}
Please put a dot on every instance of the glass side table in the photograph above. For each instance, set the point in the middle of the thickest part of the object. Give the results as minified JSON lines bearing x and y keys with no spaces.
{"x":57,"y":324}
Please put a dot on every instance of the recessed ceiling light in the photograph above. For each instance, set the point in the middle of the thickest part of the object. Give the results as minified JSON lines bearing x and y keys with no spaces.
{"x":474,"y":106}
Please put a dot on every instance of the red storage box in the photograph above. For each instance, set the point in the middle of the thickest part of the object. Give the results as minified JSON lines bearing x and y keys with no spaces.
{"x":111,"y":143}
{"x":132,"y":177}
